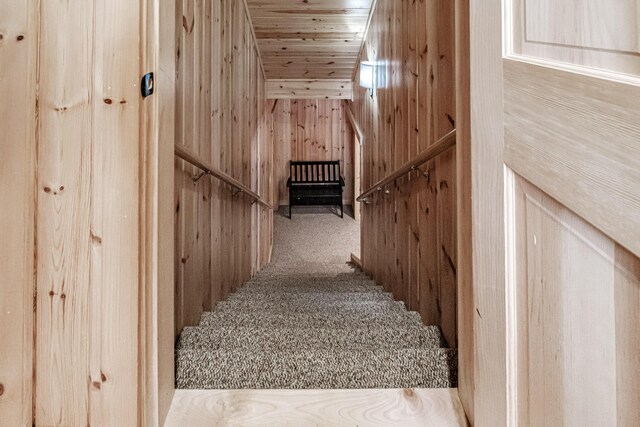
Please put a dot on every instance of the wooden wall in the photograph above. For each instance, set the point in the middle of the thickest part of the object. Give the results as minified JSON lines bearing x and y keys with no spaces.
{"x":409,"y":235}
{"x":313,"y":129}
{"x":70,"y":143}
{"x":18,"y":62}
{"x":221,"y":238}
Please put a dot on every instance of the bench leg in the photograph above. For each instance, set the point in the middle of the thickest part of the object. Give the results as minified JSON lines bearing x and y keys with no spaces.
{"x":341,"y":209}
{"x":289,"y":209}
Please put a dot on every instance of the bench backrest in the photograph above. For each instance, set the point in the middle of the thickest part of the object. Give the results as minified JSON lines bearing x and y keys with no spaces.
{"x":320,"y":172}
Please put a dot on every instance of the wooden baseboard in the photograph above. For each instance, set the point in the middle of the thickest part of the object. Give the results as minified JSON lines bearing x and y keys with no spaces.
{"x":356,"y":261}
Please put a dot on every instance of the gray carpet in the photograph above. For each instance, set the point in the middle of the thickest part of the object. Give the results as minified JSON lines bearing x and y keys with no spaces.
{"x":308,"y":320}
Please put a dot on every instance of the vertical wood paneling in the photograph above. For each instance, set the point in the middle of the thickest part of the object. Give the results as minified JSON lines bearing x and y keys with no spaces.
{"x":64,"y":216}
{"x":18,"y":112}
{"x":88,"y":165}
{"x":220,"y":107}
{"x":156,"y":338}
{"x":311,"y":129}
{"x":409,"y":231}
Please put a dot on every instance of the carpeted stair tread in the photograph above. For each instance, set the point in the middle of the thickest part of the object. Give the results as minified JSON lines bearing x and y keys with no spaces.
{"x":270,"y":297}
{"x":271,"y":320}
{"x":258,"y":338}
{"x":318,"y":369}
{"x":312,"y":307}
{"x":310,"y":321}
{"x":300,"y":289}
{"x":311,"y":284}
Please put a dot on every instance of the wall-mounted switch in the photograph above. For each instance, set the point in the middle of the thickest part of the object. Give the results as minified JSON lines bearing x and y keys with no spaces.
{"x":147,"y":85}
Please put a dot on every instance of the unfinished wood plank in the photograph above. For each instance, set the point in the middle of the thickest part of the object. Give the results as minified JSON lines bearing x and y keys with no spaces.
{"x":64,"y":216}
{"x":18,"y":75}
{"x":115,"y":184}
{"x":410,"y":407}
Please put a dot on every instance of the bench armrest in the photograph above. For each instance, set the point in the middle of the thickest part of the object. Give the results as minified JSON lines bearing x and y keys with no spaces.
{"x":342,"y":181}
{"x":289,"y":182}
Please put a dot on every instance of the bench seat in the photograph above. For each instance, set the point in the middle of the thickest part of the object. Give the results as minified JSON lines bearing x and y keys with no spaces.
{"x":315,"y":183}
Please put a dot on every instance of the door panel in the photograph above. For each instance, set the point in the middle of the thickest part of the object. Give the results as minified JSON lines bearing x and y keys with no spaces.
{"x":600,"y":34}
{"x":576,"y":137}
{"x":572,"y":148}
{"x":576,"y":296}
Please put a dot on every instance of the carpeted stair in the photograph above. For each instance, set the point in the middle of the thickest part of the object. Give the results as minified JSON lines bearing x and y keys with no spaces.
{"x":316,"y":326}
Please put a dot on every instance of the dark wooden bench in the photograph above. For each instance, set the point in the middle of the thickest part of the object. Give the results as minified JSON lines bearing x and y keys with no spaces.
{"x":315,"y":183}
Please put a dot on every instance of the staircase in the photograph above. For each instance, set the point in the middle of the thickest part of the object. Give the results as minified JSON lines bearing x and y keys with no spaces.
{"x":303,"y":324}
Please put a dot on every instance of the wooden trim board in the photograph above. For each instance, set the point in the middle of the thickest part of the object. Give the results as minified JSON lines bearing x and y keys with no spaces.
{"x":408,"y":407}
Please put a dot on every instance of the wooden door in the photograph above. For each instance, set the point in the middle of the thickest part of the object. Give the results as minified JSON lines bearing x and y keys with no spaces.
{"x":571,"y":76}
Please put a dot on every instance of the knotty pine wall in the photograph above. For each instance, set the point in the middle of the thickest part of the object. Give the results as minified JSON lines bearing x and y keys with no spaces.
{"x":70,"y":125}
{"x":221,"y":238}
{"x":311,"y":129}
{"x":409,"y":235}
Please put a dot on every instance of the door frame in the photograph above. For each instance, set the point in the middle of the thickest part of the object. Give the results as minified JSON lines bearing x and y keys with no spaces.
{"x":482,"y":179}
{"x":156,"y":296}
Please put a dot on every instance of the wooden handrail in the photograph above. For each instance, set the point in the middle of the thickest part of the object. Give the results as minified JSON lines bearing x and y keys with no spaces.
{"x":442,"y":145}
{"x":189,"y":157}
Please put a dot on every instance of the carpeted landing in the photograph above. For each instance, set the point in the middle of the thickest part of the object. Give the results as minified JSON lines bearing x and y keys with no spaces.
{"x":312,"y":324}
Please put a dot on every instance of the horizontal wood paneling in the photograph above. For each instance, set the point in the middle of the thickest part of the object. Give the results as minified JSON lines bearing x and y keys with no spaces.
{"x":295,"y":31}
{"x":309,"y":89}
{"x":409,"y":233}
{"x":311,"y":130}
{"x":553,"y":150}
{"x":221,"y":238}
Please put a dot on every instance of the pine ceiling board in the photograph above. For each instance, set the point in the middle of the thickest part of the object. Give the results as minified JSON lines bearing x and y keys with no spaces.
{"x":284,"y":13}
{"x":321,"y":73}
{"x":323,"y":36}
{"x":308,"y":62}
{"x":307,"y":35}
{"x":305,"y":19}
{"x":309,"y":4}
{"x":277,"y":43}
{"x":309,"y":89}
{"x":296,"y":56}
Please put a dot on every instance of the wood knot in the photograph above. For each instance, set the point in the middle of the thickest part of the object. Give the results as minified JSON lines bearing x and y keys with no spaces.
{"x":1,"y":389}
{"x":20,"y":38}
{"x":108,"y":101}
{"x":103,"y":377}
{"x":97,"y":385}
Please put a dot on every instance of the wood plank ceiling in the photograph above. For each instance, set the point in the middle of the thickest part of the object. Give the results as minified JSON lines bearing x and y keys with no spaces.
{"x":309,"y":39}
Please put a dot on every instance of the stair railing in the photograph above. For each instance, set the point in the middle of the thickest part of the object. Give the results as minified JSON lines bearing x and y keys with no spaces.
{"x":443,"y":144}
{"x":208,"y":169}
